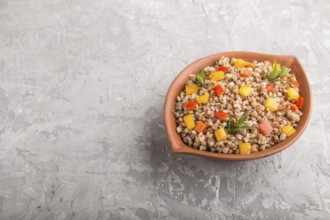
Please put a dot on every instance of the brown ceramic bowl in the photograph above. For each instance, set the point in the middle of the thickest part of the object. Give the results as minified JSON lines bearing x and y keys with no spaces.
{"x":178,"y":146}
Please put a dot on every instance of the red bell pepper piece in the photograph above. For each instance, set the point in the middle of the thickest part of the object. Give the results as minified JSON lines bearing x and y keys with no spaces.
{"x":300,"y":102}
{"x":222,"y":115}
{"x":265,"y":127}
{"x":296,"y":84}
{"x":218,"y":90}
{"x":191,"y":105}
{"x":245,"y":73}
{"x":222,"y":68}
{"x":200,"y":127}
{"x":293,"y":108}
{"x":270,"y":87}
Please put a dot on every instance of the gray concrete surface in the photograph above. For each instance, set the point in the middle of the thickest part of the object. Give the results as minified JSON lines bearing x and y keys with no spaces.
{"x":82,"y":87}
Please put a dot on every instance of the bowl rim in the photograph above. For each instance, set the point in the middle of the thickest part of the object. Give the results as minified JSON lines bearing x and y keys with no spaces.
{"x":178,"y":146}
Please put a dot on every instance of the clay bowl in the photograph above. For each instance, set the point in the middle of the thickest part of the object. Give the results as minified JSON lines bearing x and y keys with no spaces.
{"x":178,"y":146}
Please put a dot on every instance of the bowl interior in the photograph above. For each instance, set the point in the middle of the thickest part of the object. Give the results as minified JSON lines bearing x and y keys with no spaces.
{"x":178,"y":84}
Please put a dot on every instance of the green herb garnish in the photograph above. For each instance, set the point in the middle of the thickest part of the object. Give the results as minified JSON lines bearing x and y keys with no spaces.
{"x":277,"y":74}
{"x":201,"y":77}
{"x":239,"y":126}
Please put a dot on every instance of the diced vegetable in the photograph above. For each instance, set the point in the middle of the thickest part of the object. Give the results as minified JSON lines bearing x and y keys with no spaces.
{"x":239,"y":63}
{"x":245,"y":73}
{"x":244,"y":148}
{"x":300,"y":102}
{"x":222,"y":115}
{"x":218,"y":90}
{"x":278,"y":72}
{"x":201,"y":127}
{"x":189,"y":121}
{"x":265,"y":127}
{"x":252,"y":65}
{"x":203,"y":99}
{"x":296,"y":84}
{"x":222,"y":68}
{"x":245,"y":90}
{"x":191,"y":105}
{"x":220,"y":134}
{"x":191,"y":89}
{"x":217,"y":76}
{"x":293,"y":94}
{"x":288,"y":130}
{"x":270,"y":87}
{"x":278,"y":66}
{"x":271,"y":104}
{"x":293,"y":108}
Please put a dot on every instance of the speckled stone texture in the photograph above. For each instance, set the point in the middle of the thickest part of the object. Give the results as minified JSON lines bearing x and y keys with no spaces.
{"x":82,"y":88}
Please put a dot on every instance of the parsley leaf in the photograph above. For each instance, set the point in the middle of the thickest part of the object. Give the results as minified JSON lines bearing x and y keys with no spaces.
{"x":201,"y":77}
{"x":277,"y":74}
{"x":239,"y":126}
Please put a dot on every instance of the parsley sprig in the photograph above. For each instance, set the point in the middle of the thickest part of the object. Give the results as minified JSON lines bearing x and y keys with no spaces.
{"x":239,"y":126}
{"x":201,"y":77}
{"x":277,"y":74}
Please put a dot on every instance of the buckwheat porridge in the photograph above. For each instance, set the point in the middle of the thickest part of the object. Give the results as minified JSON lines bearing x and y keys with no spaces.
{"x":238,"y":107}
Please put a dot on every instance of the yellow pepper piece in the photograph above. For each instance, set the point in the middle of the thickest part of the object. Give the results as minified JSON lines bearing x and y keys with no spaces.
{"x":278,"y":68}
{"x":189,"y":121}
{"x":191,"y":89}
{"x":288,"y":130}
{"x":244,"y":148}
{"x":217,"y":76}
{"x":220,"y":134}
{"x":293,"y":94}
{"x":245,"y":90}
{"x":239,"y":63}
{"x":271,"y":104}
{"x":203,"y":99}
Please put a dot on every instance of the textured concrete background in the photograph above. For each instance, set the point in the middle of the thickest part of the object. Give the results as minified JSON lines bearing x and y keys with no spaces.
{"x":82,"y":87}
